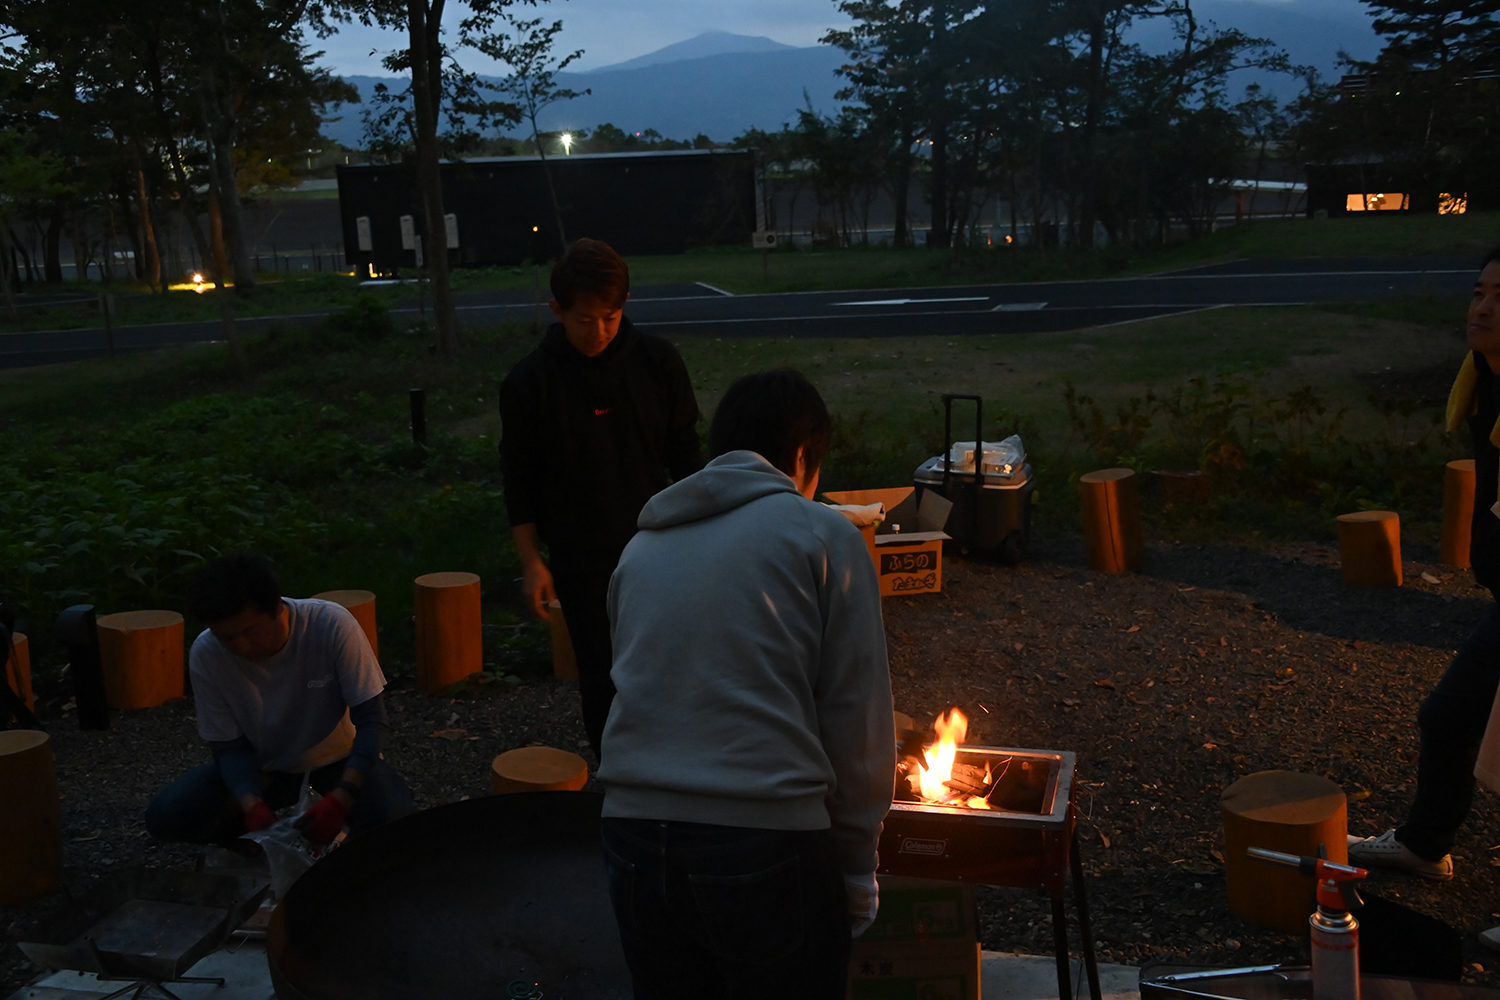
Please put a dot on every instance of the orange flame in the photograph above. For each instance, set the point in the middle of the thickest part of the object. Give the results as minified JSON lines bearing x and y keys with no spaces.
{"x":931,"y":783}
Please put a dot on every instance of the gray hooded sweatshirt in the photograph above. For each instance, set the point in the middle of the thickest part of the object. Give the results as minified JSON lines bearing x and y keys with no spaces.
{"x":749,"y":657}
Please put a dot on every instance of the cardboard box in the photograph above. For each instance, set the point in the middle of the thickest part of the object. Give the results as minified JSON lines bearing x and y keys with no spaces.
{"x":907,"y":547}
{"x":924,"y":945}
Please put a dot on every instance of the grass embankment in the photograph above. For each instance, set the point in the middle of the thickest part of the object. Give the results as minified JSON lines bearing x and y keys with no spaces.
{"x":744,"y":271}
{"x":123,"y":475}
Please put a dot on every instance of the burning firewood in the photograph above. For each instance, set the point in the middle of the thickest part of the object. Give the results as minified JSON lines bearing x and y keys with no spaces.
{"x":969,"y":780}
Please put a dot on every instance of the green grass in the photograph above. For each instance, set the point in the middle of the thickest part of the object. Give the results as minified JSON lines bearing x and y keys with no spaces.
{"x":123,"y":475}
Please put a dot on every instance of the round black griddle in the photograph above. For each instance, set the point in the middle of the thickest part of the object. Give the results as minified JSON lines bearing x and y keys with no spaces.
{"x":459,"y":901}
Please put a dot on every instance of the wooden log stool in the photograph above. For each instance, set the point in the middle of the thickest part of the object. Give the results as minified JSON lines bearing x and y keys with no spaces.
{"x":1458,"y":513}
{"x":1370,"y":548}
{"x":564,"y":661}
{"x":1112,"y":520}
{"x":360,"y":604}
{"x":18,"y":669}
{"x":450,"y":642}
{"x":1281,"y":811}
{"x":142,"y":656}
{"x":538,"y":769}
{"x":31,"y":847}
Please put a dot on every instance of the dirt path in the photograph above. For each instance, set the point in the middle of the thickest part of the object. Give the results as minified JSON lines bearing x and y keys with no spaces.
{"x":1214,"y":662}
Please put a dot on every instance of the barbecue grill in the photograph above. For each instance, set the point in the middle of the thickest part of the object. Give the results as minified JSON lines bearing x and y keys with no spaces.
{"x":1026,"y":839}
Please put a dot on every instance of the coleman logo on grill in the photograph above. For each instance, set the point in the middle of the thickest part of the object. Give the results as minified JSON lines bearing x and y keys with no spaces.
{"x":932,"y":848}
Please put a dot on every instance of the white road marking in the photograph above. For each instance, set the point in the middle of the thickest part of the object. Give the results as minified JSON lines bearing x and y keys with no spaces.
{"x":711,"y":288}
{"x":1017,"y":307}
{"x":907,"y":302}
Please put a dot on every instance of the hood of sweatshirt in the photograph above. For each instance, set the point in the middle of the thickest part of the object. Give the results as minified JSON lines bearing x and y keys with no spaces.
{"x":729,"y":481}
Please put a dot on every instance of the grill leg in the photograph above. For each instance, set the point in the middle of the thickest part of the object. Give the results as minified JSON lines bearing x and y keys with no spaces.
{"x":1060,"y":945}
{"x":1081,"y":899}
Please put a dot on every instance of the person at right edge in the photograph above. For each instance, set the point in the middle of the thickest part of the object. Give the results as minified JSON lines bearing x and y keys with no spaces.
{"x":750,"y":755}
{"x":594,"y":421}
{"x":1452,"y":718}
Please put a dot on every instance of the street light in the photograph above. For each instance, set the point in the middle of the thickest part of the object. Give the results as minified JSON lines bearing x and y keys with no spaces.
{"x":567,"y":141}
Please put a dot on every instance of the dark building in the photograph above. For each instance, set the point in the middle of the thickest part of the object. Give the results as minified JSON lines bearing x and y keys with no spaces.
{"x":500,"y":211}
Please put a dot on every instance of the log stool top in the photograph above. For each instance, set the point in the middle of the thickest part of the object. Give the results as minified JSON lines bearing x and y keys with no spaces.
{"x":529,"y":769}
{"x":1106,"y":475}
{"x":1363,"y":516}
{"x":20,"y":741}
{"x":1284,"y":797}
{"x":347,"y":598}
{"x":131,"y":621}
{"x":438,"y":580}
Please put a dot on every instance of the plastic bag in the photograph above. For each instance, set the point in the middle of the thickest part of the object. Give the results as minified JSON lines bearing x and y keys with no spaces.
{"x":288,"y":852}
{"x":1000,"y":458}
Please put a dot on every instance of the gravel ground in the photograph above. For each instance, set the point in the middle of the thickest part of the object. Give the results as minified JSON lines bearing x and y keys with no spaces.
{"x":1214,"y":662}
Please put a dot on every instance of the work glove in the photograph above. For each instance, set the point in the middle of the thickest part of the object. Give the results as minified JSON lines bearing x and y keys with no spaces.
{"x":864,"y":901}
{"x":258,"y":817}
{"x":321,"y":823}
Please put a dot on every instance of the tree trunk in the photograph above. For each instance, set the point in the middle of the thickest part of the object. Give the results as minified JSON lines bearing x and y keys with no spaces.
{"x":562,"y":233}
{"x":423,"y":26}
{"x":938,"y":235}
{"x":148,"y":227}
{"x":190,"y":216}
{"x":902,"y":236}
{"x":1092,"y":112}
{"x":52,"y":251}
{"x":216,"y":233}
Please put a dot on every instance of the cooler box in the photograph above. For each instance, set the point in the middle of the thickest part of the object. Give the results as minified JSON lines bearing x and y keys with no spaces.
{"x":1002,"y":526}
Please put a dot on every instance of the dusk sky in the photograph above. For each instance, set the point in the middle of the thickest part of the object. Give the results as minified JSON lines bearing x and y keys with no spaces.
{"x":611,"y":31}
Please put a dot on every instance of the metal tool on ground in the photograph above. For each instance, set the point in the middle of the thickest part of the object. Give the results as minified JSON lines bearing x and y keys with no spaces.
{"x":989,"y":484}
{"x":144,"y":927}
{"x":1335,"y":930}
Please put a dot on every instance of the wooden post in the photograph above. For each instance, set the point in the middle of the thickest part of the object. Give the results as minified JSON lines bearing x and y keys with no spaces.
{"x":360,"y":604}
{"x":31,"y":853}
{"x":564,"y":662}
{"x":1370,"y":548}
{"x":1458,"y":513}
{"x":1281,"y":811}
{"x":142,"y":656}
{"x":449,"y":638}
{"x":20,"y":669}
{"x":1112,"y":520}
{"x":538,"y":769}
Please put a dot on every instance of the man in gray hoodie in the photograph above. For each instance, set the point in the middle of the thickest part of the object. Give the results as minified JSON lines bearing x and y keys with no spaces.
{"x":750,"y":748}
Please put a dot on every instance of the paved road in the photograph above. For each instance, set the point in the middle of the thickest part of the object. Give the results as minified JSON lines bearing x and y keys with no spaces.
{"x":701,"y":310}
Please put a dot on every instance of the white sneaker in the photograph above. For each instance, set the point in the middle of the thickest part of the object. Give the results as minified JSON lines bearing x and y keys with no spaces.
{"x":1385,"y":851}
{"x":1490,"y":938}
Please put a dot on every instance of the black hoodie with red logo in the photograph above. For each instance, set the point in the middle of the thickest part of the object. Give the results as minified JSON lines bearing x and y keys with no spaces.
{"x":587,"y":441}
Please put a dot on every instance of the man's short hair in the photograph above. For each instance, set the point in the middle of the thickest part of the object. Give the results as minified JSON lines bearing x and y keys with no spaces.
{"x":1490,"y":258}
{"x":590,"y":269}
{"x":773,"y":413}
{"x":230,"y":584}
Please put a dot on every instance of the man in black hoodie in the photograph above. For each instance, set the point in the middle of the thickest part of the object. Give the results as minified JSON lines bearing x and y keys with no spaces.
{"x":596,"y":420}
{"x":1452,"y":718}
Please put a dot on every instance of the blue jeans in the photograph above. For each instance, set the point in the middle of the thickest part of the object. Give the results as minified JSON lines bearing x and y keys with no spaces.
{"x":728,"y":912}
{"x":198,"y":807}
{"x":1452,"y":720}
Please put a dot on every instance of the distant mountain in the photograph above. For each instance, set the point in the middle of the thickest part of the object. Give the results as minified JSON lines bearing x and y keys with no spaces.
{"x":710,"y":43}
{"x":720,"y":96}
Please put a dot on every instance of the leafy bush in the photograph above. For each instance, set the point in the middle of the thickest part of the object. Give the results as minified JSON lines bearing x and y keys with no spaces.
{"x":366,"y":319}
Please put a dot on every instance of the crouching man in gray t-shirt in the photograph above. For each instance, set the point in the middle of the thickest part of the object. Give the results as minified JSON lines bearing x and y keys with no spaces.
{"x":283,"y":688}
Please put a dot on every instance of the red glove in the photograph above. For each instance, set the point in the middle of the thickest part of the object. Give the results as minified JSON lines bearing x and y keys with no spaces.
{"x":259,"y":817}
{"x":324,"y":820}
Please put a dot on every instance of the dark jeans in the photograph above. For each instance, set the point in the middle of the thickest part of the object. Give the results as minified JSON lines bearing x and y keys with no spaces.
{"x":1452,"y":721}
{"x":582,"y":585}
{"x":720,"y":911}
{"x":198,"y":807}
